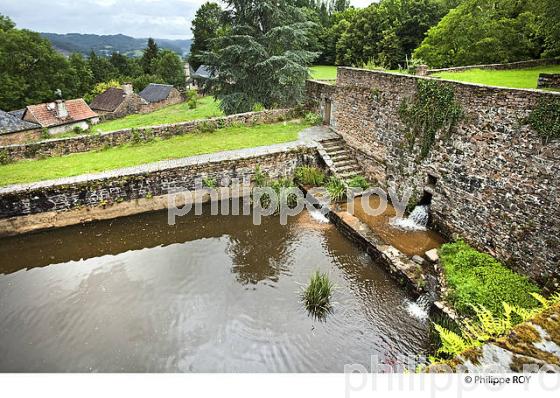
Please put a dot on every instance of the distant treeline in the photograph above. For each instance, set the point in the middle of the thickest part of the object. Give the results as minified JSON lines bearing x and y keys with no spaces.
{"x":107,"y":44}
{"x":32,"y":71}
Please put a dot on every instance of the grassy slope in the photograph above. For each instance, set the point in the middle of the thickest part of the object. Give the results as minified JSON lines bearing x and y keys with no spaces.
{"x":323,"y":72}
{"x":206,"y":108}
{"x":132,"y":155}
{"x":520,"y":78}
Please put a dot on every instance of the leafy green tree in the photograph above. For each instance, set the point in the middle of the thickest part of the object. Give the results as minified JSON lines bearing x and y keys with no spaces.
{"x":548,"y":25}
{"x":101,"y":68}
{"x":263,"y":59}
{"x":481,"y":32}
{"x":141,"y":82}
{"x":80,"y":74}
{"x":208,"y":22}
{"x":121,"y":64}
{"x":30,"y":69}
{"x":170,"y":68}
{"x":150,"y":56}
{"x":100,"y":88}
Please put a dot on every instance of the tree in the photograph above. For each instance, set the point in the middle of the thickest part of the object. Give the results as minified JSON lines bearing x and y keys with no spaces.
{"x":263,"y":58}
{"x":150,"y":55}
{"x":206,"y":26}
{"x":121,"y":64}
{"x":170,"y":68}
{"x":81,"y":75}
{"x":101,"y":88}
{"x":481,"y":32}
{"x":30,"y":69}
{"x":101,"y":68}
{"x":388,"y":32}
{"x":548,"y":25}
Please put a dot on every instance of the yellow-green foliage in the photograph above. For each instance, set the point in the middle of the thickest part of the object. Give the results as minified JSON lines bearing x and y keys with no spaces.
{"x":477,"y":278}
{"x":312,"y":176}
{"x":486,"y":325}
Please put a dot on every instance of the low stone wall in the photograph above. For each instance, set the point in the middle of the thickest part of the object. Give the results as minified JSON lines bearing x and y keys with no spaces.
{"x":493,"y":180}
{"x":549,"y":80}
{"x":319,"y":99}
{"x":20,"y":137}
{"x":88,"y":142}
{"x":508,"y":66}
{"x":148,"y":181}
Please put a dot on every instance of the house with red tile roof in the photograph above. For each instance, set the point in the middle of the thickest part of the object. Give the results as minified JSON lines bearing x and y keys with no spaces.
{"x":61,"y":116}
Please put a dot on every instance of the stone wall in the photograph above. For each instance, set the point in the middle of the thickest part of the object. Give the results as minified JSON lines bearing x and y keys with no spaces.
{"x":549,"y":80}
{"x":150,"y":180}
{"x":509,"y":66}
{"x":319,"y":95}
{"x":20,"y":137}
{"x":88,"y":142}
{"x":494,"y":183}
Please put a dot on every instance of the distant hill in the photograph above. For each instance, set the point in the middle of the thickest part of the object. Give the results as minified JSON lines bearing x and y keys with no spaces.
{"x":107,"y":44}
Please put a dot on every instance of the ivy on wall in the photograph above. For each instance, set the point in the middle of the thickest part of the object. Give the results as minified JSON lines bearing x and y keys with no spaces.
{"x":433,"y":109}
{"x":545,"y":118}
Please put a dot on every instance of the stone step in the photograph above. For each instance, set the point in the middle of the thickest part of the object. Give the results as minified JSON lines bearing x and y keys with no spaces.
{"x":329,"y":143}
{"x":346,"y":162}
{"x":336,"y":149}
{"x":338,"y":152}
{"x":348,"y":175}
{"x":353,"y":166}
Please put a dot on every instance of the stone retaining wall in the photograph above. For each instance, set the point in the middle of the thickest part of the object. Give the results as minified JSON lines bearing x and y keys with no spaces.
{"x":88,"y":142}
{"x":549,"y":80}
{"x":150,"y":180}
{"x":509,"y":66}
{"x":494,"y":182}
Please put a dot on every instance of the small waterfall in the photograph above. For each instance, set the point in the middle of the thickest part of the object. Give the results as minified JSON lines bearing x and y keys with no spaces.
{"x":318,"y":216}
{"x":420,"y":308}
{"x":416,"y":221}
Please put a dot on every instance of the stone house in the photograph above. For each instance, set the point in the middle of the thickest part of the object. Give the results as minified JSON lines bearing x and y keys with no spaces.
{"x":159,"y":95}
{"x":61,"y":116}
{"x":14,"y":130}
{"x":201,"y":76}
{"x":117,"y":102}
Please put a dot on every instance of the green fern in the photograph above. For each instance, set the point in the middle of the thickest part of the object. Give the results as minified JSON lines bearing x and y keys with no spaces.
{"x":451,"y":343}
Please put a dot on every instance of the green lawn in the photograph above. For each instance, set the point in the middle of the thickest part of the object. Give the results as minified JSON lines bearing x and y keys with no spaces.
{"x":132,"y":155}
{"x":323,"y":72}
{"x":520,"y":78}
{"x":206,"y":108}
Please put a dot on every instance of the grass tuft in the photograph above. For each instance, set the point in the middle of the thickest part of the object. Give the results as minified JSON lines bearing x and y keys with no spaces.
{"x":336,"y":189}
{"x":317,"y":295}
{"x":312,"y":176}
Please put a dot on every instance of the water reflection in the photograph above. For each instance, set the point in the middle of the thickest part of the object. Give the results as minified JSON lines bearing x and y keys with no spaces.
{"x":211,"y":294}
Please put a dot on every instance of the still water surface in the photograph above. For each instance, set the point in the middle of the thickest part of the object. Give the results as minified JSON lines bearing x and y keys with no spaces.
{"x":210,"y":294}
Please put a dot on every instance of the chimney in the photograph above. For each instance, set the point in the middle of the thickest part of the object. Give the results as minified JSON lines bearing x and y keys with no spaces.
{"x":127,"y":88}
{"x":61,"y":111}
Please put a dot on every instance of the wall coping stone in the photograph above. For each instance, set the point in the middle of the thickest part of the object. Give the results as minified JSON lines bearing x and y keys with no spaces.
{"x":454,"y":82}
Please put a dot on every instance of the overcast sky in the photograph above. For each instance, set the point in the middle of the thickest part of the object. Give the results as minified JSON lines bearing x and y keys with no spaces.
{"x":168,"y":19}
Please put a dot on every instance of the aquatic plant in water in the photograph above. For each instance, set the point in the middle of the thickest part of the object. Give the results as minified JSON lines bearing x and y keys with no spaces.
{"x":317,"y":294}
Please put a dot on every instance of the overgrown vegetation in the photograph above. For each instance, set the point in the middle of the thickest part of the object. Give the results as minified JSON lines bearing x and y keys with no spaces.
{"x":317,"y":294}
{"x":336,"y":189}
{"x":358,"y":182}
{"x":476,"y":278}
{"x":311,"y":176}
{"x":545,"y":119}
{"x":432,"y":110}
{"x":313,"y":119}
{"x":487,"y":325}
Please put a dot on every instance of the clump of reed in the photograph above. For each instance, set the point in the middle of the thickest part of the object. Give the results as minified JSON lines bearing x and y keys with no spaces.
{"x":317,"y":295}
{"x":311,"y":176}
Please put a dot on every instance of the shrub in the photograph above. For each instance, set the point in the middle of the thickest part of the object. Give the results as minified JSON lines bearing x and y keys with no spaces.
{"x":545,"y":119}
{"x":317,"y":295}
{"x":45,"y":135}
{"x":206,"y":127}
{"x":258,"y":107}
{"x":312,"y":176}
{"x":336,"y":189}
{"x":192,"y":103}
{"x":358,"y":182}
{"x":5,"y":157}
{"x":209,"y":182}
{"x":260,"y":178}
{"x":478,"y":279}
{"x":313,"y":119}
